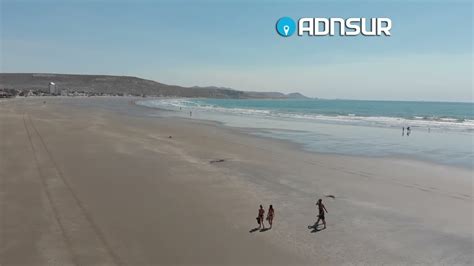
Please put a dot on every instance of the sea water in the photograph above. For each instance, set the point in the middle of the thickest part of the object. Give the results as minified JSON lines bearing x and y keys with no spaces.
{"x":441,"y":132}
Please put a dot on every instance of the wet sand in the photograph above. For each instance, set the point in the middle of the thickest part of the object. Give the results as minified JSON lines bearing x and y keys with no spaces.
{"x":95,"y":181}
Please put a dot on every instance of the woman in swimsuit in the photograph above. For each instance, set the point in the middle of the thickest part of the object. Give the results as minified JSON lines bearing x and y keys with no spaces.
{"x":270,"y":215}
{"x":261,"y":214}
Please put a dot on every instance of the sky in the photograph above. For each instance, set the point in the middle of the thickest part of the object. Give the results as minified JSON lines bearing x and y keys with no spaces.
{"x":234,"y":44}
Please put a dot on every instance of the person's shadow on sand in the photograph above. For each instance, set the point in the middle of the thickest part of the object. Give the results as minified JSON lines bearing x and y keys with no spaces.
{"x":254,"y":230}
{"x":315,"y":228}
{"x":258,"y":229}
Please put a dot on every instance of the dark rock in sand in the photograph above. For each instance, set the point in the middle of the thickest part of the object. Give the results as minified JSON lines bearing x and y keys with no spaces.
{"x":217,"y":161}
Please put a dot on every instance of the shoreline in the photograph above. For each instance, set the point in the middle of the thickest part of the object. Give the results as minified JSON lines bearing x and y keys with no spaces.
{"x":257,"y":132}
{"x":135,"y":182}
{"x":332,"y":118}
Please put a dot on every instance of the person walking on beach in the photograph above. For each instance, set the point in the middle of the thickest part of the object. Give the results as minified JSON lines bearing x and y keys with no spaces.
{"x":403,"y":131}
{"x":408,"y":131}
{"x":270,"y":215}
{"x":261,"y":214}
{"x":321,"y":209}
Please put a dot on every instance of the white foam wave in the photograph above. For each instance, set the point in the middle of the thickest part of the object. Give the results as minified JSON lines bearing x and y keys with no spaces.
{"x":381,"y":121}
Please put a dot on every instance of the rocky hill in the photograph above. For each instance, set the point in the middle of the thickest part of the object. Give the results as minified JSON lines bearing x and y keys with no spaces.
{"x":104,"y":84}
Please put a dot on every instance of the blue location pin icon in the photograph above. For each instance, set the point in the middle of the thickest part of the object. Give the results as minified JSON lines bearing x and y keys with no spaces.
{"x":285,"y":26}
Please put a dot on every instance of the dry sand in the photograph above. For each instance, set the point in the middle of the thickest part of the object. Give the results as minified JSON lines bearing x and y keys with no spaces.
{"x":83,"y":184}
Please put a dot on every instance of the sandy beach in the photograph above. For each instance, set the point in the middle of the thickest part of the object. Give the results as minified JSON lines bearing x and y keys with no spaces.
{"x":96,"y":181}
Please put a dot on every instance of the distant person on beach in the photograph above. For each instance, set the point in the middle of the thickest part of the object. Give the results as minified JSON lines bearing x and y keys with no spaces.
{"x":261,"y":214}
{"x":408,"y":131}
{"x":321,"y":209}
{"x":190,"y":113}
{"x":270,"y":215}
{"x":403,"y":131}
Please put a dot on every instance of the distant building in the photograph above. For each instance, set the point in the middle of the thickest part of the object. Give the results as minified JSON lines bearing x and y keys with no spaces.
{"x":52,"y":88}
{"x":4,"y":94}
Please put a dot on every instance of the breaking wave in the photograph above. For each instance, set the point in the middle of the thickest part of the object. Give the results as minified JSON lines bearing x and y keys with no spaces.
{"x":432,"y":122}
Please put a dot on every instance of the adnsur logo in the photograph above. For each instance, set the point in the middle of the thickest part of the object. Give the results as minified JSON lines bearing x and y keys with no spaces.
{"x":334,"y":26}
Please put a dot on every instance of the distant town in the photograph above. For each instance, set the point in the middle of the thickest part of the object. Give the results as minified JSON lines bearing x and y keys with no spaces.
{"x":53,"y":90}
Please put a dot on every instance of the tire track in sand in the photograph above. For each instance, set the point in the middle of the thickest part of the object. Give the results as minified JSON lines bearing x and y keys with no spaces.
{"x":84,"y":239}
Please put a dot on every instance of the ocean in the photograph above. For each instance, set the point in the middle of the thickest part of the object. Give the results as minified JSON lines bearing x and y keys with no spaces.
{"x":441,"y":132}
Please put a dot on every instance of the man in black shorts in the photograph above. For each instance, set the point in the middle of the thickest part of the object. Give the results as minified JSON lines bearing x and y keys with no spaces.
{"x":321,"y":209}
